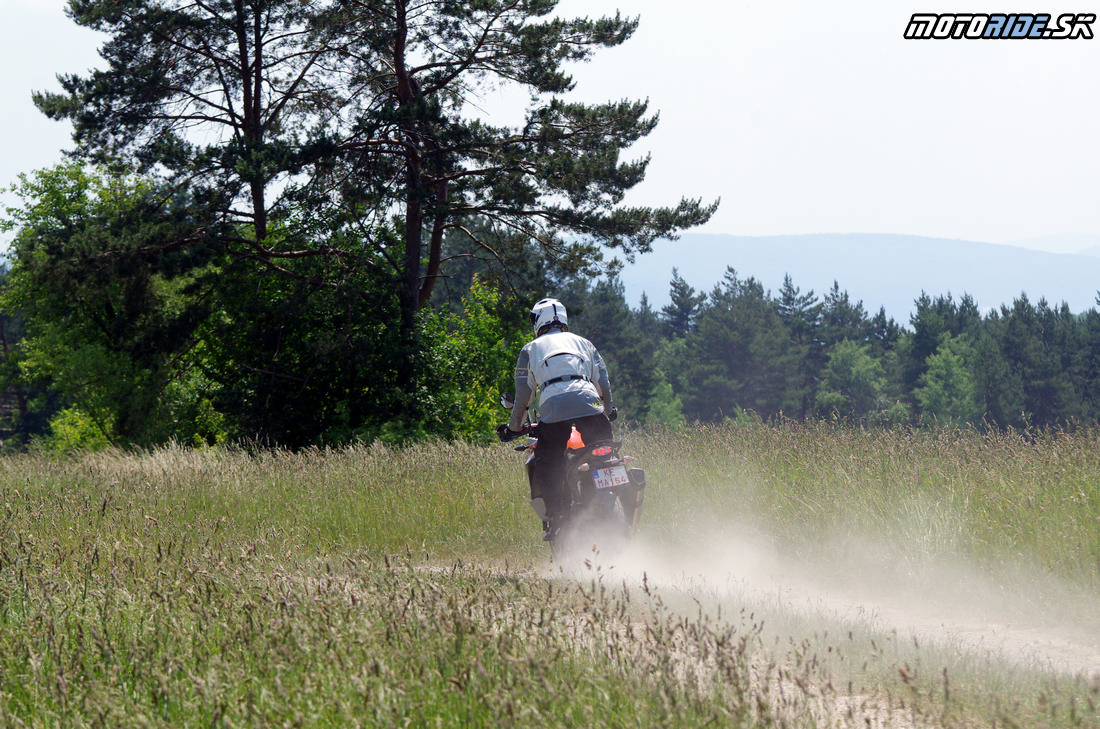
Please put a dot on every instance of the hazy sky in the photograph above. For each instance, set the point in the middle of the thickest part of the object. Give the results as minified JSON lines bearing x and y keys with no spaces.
{"x":803,"y":116}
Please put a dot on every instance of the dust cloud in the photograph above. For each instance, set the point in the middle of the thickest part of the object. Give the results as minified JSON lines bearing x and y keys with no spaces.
{"x":1012,"y":613}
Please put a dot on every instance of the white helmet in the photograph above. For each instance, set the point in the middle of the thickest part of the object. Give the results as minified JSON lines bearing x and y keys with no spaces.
{"x":547,"y":313}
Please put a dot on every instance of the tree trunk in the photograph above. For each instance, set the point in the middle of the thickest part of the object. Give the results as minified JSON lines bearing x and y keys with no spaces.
{"x":435,"y":244}
{"x":414,"y":196}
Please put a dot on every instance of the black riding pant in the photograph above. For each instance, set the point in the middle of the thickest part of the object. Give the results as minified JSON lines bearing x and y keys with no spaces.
{"x":548,"y":468}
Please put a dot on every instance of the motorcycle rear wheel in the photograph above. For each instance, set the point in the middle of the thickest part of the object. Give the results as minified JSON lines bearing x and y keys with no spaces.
{"x":599,"y":529}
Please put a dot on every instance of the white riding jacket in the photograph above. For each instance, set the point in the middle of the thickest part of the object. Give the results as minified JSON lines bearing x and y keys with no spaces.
{"x":567,"y":373}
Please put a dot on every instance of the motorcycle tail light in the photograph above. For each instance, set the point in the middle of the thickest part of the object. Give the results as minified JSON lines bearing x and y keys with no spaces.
{"x":604,"y":451}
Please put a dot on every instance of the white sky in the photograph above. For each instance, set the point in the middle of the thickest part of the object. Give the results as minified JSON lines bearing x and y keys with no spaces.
{"x":803,"y":116}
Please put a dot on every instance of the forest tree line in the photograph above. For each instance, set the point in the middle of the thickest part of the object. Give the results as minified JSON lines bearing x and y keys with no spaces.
{"x":107,"y":342}
{"x":740,"y":350}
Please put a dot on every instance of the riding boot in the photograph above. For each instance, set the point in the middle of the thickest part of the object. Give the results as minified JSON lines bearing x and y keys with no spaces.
{"x":555,"y":518}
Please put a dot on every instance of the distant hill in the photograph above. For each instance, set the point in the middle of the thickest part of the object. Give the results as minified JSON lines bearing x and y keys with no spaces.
{"x":887,"y":271}
{"x":1084,"y":243}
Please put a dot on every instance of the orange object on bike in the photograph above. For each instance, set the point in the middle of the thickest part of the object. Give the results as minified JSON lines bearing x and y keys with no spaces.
{"x":575,"y":442}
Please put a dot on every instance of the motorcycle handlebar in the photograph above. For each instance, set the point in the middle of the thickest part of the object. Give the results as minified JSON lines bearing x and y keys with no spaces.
{"x":506,"y":435}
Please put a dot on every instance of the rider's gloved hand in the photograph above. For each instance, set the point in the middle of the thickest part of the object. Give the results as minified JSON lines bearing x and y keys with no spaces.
{"x":504,"y":433}
{"x":612,"y":413}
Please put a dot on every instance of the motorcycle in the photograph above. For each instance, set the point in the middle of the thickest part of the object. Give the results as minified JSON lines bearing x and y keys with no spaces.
{"x":602,"y":495}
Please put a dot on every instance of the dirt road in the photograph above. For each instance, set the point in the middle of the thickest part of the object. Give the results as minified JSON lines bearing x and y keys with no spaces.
{"x":1014,"y":613}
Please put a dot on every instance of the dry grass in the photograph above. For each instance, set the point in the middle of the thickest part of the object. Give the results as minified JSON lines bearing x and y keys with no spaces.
{"x":378,"y":587}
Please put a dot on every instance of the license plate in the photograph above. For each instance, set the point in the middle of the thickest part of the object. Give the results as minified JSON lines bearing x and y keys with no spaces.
{"x":606,"y":478}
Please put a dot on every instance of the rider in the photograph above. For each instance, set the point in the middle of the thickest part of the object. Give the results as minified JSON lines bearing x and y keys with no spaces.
{"x":570,"y":377}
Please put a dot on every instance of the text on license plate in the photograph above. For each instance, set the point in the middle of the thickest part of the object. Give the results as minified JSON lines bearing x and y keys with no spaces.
{"x":606,"y":478}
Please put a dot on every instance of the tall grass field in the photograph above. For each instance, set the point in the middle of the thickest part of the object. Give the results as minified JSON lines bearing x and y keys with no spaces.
{"x":782,"y":575}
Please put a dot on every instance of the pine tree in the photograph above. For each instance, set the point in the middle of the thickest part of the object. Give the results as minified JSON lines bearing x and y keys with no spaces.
{"x":341,"y":128}
{"x":680,"y":314}
{"x":802,"y":314}
{"x":842,"y":320}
